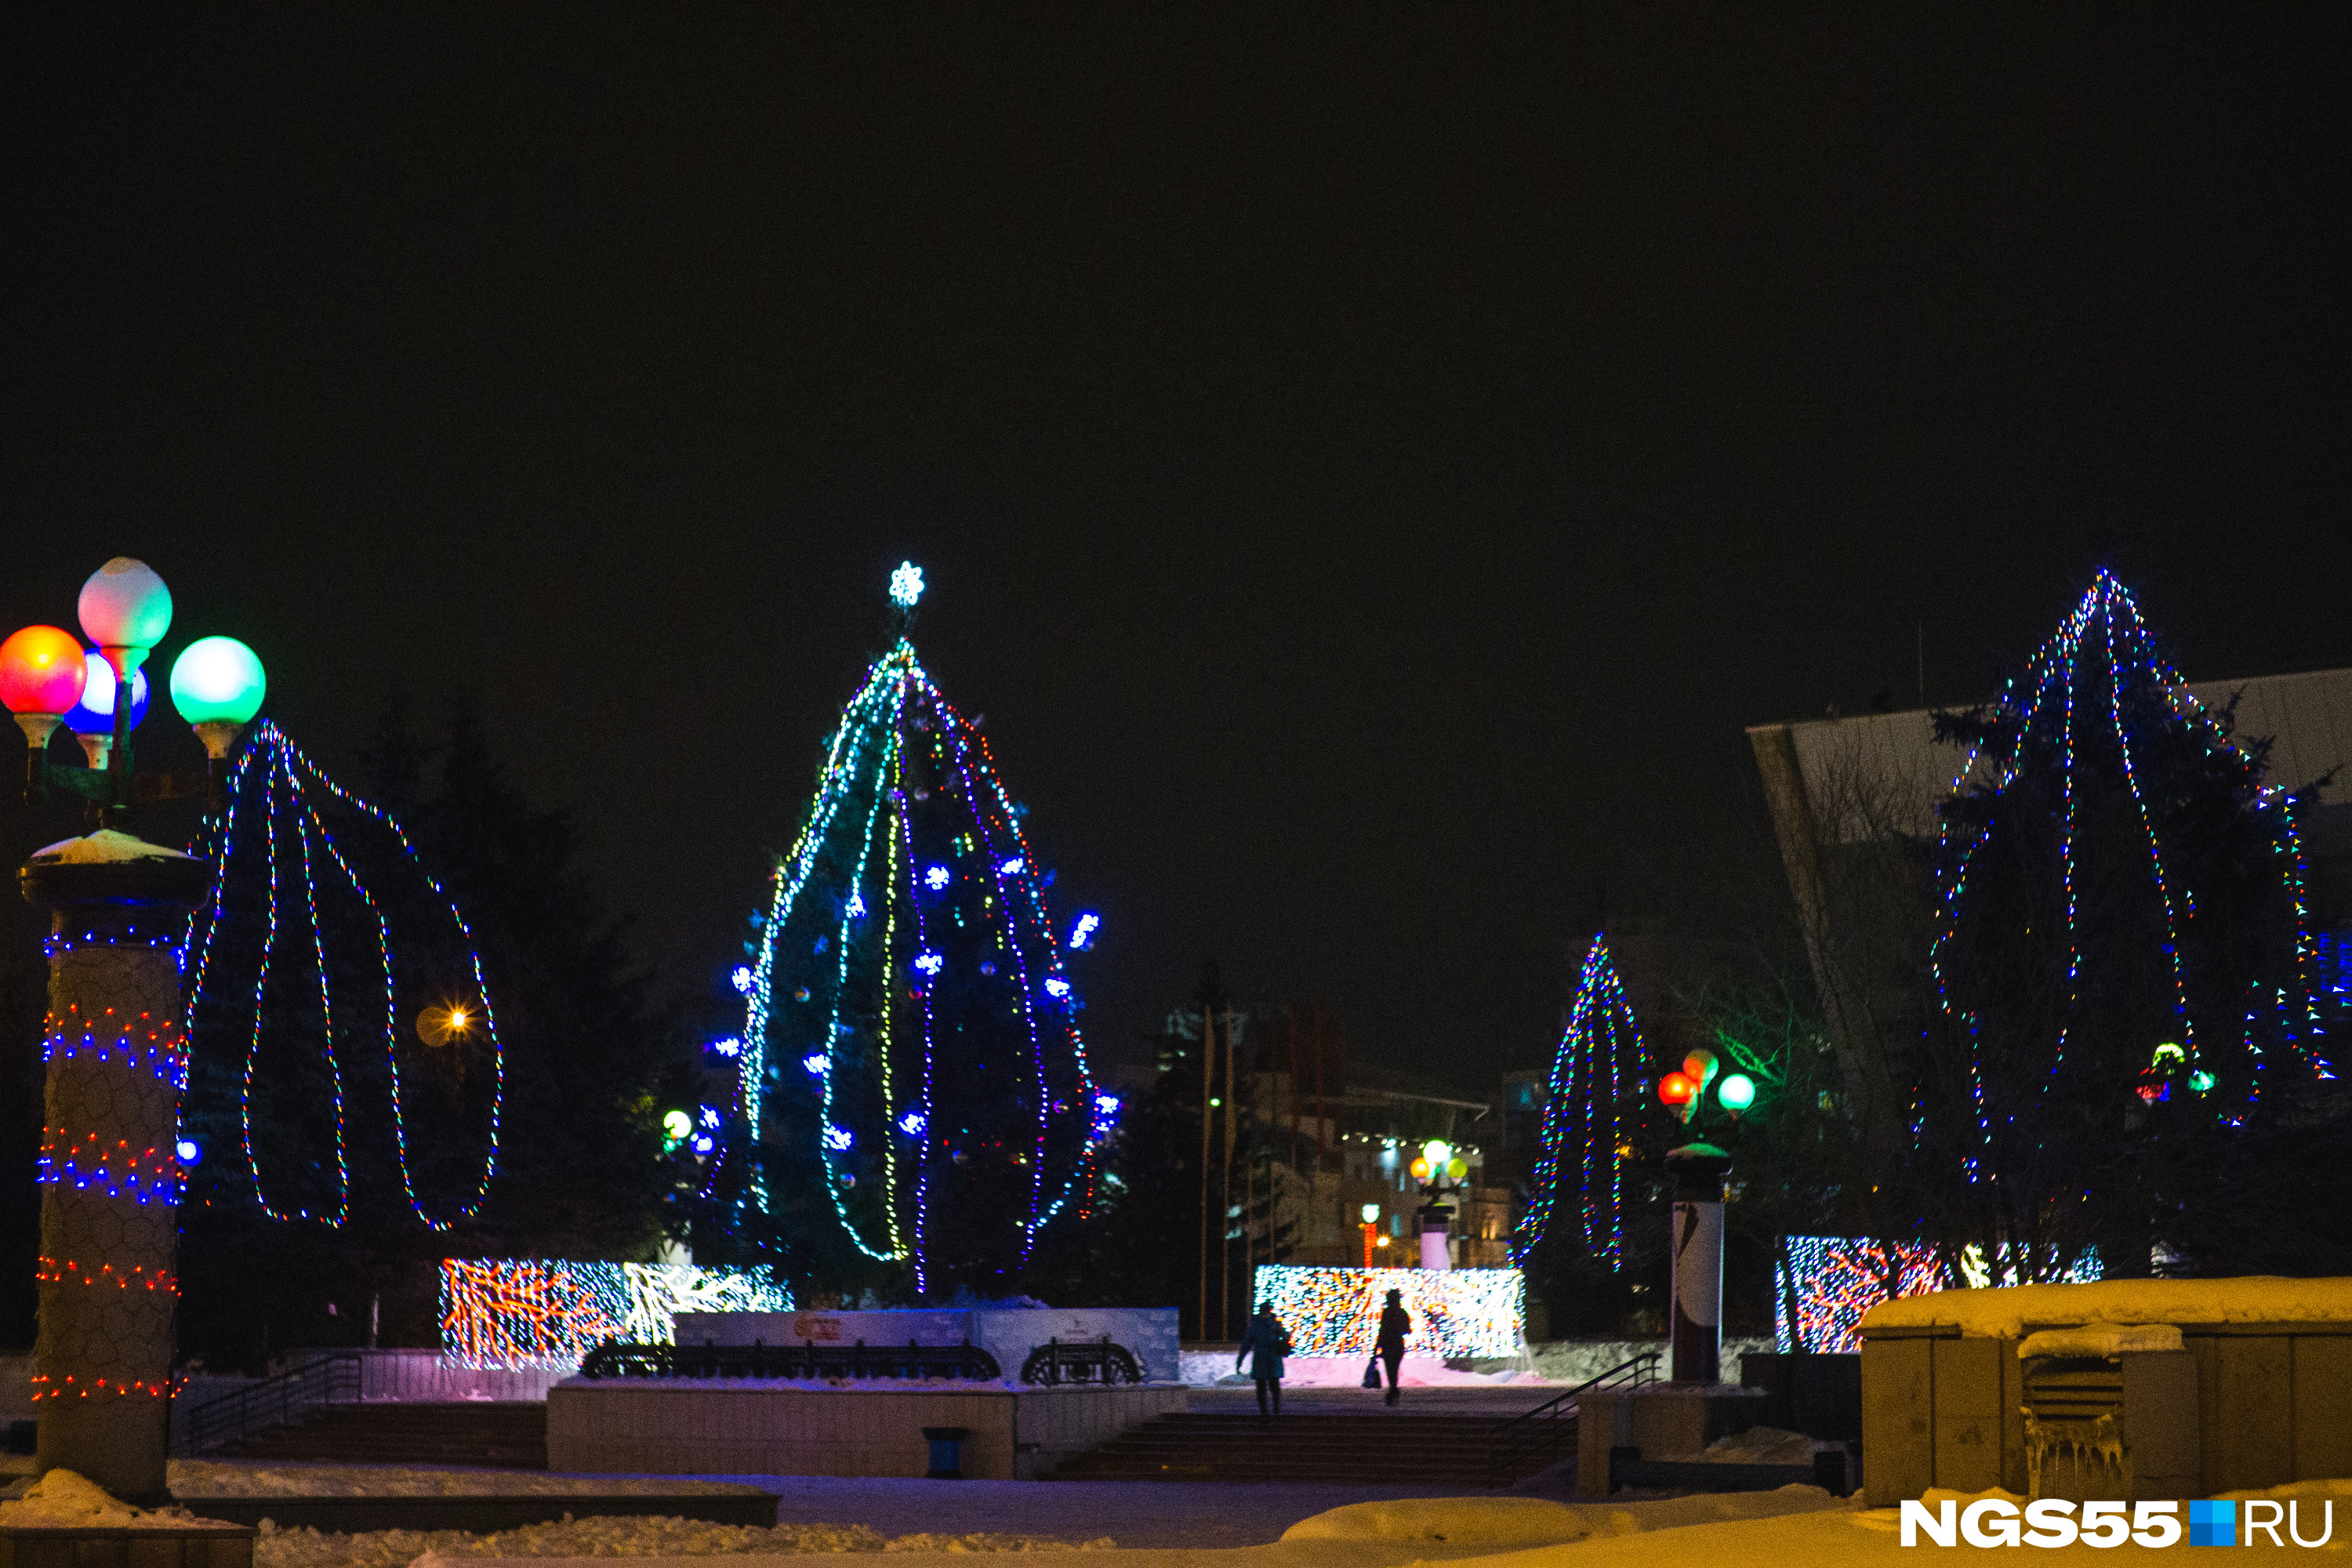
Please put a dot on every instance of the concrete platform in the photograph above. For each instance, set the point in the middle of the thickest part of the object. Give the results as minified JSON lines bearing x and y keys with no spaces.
{"x":675,"y":1426}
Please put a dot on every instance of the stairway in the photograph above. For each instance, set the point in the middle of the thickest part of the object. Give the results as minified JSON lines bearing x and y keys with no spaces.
{"x":508,"y":1435}
{"x":1371,"y":1448}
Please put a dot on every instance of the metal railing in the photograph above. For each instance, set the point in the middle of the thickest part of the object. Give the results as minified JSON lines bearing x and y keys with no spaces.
{"x":807,"y":1359}
{"x":1526,"y":1444}
{"x":329,"y":1379}
{"x":1059,"y":1360}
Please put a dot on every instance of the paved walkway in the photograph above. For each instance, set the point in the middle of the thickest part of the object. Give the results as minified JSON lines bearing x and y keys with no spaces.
{"x":1499,"y":1401}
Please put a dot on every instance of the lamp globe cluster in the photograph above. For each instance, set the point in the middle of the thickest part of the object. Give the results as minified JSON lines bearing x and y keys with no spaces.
{"x":48,"y":677}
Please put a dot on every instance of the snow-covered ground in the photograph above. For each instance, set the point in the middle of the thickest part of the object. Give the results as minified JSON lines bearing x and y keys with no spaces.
{"x":192,"y":1480}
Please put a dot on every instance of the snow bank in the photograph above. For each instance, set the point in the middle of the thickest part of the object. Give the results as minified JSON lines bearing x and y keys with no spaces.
{"x":611,"y":1537}
{"x":63,"y":1500}
{"x":1466,"y":1525}
{"x":192,"y":1479}
{"x":2095,"y":1341}
{"x":2004,"y":1313}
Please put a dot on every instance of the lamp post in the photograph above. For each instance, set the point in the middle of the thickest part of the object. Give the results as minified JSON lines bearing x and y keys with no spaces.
{"x":1371,"y":1216}
{"x":1437,"y":1162}
{"x":1699,"y":1169}
{"x":112,"y":1165}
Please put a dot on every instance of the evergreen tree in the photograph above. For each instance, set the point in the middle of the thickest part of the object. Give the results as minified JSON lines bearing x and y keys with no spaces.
{"x":916,"y":1106}
{"x":2127,"y":1019}
{"x":496,"y":1101}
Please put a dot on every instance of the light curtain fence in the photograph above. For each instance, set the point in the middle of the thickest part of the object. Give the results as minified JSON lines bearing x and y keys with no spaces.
{"x":514,"y":1314}
{"x":1833,"y":1280}
{"x":1456,"y":1313}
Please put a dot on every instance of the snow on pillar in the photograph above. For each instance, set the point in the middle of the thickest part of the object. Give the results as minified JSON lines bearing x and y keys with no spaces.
{"x":1697,"y":1306}
{"x":110,"y":1173}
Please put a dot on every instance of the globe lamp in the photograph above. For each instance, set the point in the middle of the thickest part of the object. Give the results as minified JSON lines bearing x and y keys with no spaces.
{"x":1436,"y":1154}
{"x":217,"y":685}
{"x":1677,"y":1090}
{"x":1371,"y":1213}
{"x":40,"y":680}
{"x":1700,"y":1067}
{"x":677,"y":1125}
{"x":125,"y":610}
{"x":1419,"y":1169}
{"x":1737,"y":1091}
{"x":1458,"y":1167}
{"x":94,"y":714}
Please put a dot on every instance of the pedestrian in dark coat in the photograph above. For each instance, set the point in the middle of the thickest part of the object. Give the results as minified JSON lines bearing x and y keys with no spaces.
{"x":1396,"y":1323}
{"x":1265,"y":1343}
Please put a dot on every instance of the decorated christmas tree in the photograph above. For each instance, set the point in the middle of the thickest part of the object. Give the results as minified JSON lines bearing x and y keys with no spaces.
{"x":1576,"y":1194}
{"x":2124,"y":982}
{"x":914,"y":1088}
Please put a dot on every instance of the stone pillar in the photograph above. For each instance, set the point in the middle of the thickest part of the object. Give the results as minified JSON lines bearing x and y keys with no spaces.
{"x":109,"y":1171}
{"x":1436,"y":1224}
{"x":1697,"y":1306}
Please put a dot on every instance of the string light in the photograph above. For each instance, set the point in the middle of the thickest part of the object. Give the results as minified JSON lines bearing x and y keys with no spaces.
{"x":275,"y":772}
{"x":510,"y":1313}
{"x":1598,"y":1067}
{"x":2069,"y":713}
{"x":157,"y":1047}
{"x":113,"y":1170}
{"x":1455,"y":1312}
{"x":50,"y":1271}
{"x":908,"y":786}
{"x":1834,"y":1281}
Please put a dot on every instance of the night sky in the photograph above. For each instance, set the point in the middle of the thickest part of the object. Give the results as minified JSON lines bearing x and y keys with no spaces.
{"x":1368,"y":467}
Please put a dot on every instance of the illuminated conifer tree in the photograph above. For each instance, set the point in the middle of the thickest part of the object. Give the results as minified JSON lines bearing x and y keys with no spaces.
{"x":2122,"y":964}
{"x":912,"y":1075}
{"x":1578,"y":1190}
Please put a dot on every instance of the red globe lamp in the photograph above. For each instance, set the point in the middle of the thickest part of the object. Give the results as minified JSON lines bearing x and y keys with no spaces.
{"x":41,"y":679}
{"x":1679,"y":1093}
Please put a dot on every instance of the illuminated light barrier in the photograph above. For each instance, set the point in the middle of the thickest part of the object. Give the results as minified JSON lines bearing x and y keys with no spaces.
{"x":1455,"y":1312}
{"x":1835,"y":1279}
{"x":514,"y":1314}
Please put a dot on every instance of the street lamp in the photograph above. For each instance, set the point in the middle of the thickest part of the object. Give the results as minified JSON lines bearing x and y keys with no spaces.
{"x":217,"y":685}
{"x":115,"y":1163}
{"x":1371,"y":1214}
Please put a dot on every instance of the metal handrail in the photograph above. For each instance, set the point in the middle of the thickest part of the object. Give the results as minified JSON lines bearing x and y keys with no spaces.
{"x":329,"y":1379}
{"x":1513,"y":1439}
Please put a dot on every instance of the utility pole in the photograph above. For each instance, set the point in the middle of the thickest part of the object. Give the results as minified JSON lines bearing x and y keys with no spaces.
{"x":1208,"y":1052}
{"x":1225,"y":1249}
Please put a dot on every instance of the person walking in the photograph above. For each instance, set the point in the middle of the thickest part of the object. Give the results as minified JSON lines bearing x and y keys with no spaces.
{"x":1265,"y":1343}
{"x":1396,"y":1323}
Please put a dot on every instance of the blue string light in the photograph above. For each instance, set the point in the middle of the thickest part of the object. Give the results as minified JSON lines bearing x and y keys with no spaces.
{"x":285,"y":777}
{"x":2101,"y":652}
{"x":901,"y":760}
{"x":1597,"y":1067}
